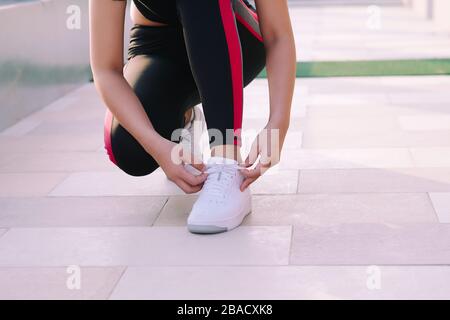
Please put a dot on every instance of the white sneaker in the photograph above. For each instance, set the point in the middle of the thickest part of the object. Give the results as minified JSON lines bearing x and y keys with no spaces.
{"x":193,"y":133}
{"x":221,"y":206}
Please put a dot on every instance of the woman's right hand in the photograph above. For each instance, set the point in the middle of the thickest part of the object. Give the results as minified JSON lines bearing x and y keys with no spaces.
{"x":171,"y":158}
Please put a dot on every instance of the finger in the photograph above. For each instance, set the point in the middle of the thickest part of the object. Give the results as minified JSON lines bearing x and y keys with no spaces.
{"x":251,"y":173}
{"x":199,"y":166}
{"x":183,"y":185}
{"x":264,"y":167}
{"x":265,"y":160}
{"x":193,"y":180}
{"x":187,"y":188}
{"x":246,"y":183}
{"x":253,"y":155}
{"x":247,"y":173}
{"x":195,"y":189}
{"x":256,"y":172}
{"x":193,"y":159}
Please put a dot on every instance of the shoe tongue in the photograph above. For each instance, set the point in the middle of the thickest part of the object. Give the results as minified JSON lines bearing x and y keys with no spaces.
{"x":220,"y":160}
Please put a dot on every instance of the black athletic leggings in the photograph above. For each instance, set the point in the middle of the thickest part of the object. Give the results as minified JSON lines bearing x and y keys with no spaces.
{"x":209,"y":51}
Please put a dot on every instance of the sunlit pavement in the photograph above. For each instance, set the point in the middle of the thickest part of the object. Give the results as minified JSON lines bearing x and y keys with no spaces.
{"x":365,"y":33}
{"x":358,"y":208}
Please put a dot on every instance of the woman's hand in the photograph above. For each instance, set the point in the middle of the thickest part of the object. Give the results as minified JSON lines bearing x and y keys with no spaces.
{"x":171,"y":158}
{"x":265,"y":151}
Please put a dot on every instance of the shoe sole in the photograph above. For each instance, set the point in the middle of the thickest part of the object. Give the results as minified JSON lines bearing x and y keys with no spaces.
{"x":213,"y":229}
{"x":199,"y":229}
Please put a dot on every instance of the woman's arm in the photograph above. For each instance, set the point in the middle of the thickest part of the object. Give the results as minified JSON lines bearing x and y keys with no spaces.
{"x":106,"y":49}
{"x":107,"y":19}
{"x":279,"y":42}
{"x":281,"y":63}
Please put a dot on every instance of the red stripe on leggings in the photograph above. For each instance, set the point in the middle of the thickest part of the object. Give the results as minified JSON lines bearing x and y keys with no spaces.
{"x":107,"y":135}
{"x":247,"y":24}
{"x":234,"y":51}
{"x":249,"y":27}
{"x":253,"y":13}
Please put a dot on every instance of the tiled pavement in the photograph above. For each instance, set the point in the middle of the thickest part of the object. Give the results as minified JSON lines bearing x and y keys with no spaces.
{"x":365,"y":33}
{"x":363,"y":191}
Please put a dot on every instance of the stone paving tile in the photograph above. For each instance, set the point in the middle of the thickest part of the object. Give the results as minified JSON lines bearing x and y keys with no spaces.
{"x":354,"y":125}
{"x":259,"y":108}
{"x":97,"y":184}
{"x":69,"y":100}
{"x":254,"y":125}
{"x":289,"y":282}
{"x":258,"y":87}
{"x":376,"y":110}
{"x":346,"y":158}
{"x":70,"y":126}
{"x":299,"y":108}
{"x":425,"y":123}
{"x":431,"y":157}
{"x":441,"y":203}
{"x":269,"y":183}
{"x":318,"y":209}
{"x":342,"y":33}
{"x":347,"y":98}
{"x":345,"y":85}
{"x":6,"y":159}
{"x":371,"y":244}
{"x":411,"y":97}
{"x":423,"y":84}
{"x":83,"y":111}
{"x":79,"y":211}
{"x":21,"y":128}
{"x":383,"y":85}
{"x":57,"y":162}
{"x":52,"y":283}
{"x":293,"y":140}
{"x":375,"y":180}
{"x":28,"y":184}
{"x":34,"y":144}
{"x":376,"y":139}
{"x":331,"y":209}
{"x":176,"y":211}
{"x":257,"y":102}
{"x":138,"y":246}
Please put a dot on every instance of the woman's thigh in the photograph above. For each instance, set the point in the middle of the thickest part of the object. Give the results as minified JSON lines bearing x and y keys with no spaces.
{"x":165,"y":87}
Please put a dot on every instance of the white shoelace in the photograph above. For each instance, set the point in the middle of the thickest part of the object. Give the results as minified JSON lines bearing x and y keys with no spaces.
{"x":219,"y":179}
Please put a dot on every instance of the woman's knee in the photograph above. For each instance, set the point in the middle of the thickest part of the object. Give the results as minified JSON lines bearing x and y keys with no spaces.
{"x":125,"y":151}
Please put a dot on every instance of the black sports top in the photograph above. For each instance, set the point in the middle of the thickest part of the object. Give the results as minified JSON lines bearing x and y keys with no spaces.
{"x":164,"y":11}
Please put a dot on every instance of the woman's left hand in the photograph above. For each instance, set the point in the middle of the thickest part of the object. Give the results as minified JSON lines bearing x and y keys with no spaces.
{"x":267,"y":148}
